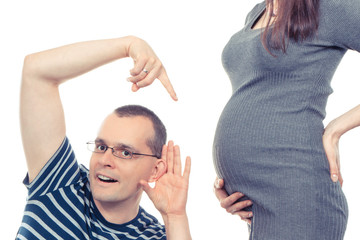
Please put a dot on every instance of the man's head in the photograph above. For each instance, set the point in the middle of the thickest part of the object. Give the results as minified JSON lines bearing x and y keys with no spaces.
{"x":133,"y":129}
{"x":159,"y":138}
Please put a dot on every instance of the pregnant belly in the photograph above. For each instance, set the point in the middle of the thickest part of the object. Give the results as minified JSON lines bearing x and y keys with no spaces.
{"x":257,"y":146}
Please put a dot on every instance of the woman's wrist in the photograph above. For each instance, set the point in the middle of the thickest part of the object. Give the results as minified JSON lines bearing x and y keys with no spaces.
{"x":337,"y":127}
{"x":333,"y":130}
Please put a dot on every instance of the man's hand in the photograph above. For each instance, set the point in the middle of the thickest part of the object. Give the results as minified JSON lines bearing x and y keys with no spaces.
{"x":41,"y":114}
{"x":229,"y":202}
{"x":170,"y":193}
{"x":147,"y":67}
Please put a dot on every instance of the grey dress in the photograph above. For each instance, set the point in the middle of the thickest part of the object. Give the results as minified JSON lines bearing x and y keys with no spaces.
{"x":268,"y":142}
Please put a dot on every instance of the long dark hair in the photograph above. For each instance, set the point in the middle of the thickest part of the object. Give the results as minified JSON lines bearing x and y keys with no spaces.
{"x":294,"y":19}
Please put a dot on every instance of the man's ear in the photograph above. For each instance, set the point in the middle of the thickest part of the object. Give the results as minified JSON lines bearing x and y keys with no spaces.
{"x":159,"y":170}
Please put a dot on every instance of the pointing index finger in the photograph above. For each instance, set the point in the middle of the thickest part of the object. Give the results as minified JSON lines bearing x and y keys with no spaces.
{"x":164,"y":79}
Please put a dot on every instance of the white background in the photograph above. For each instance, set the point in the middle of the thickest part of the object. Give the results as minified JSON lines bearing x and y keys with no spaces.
{"x":189,"y":37}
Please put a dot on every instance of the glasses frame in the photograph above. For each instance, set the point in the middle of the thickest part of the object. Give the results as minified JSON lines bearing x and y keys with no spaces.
{"x":113,"y":151}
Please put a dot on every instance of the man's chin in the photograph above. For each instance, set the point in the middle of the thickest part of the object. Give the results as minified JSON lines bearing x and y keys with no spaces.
{"x":106,"y":197}
{"x":104,"y":194}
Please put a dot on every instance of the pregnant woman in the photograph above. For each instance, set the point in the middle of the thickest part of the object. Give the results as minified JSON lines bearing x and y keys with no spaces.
{"x":270,"y":142}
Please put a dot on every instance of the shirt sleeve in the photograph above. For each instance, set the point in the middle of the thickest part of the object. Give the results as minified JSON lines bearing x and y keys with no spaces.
{"x":60,"y":171}
{"x":341,"y":19}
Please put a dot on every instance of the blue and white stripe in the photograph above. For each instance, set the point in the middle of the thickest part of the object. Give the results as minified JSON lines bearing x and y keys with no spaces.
{"x":60,"y":206}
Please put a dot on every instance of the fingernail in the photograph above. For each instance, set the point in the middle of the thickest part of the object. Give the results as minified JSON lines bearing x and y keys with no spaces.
{"x":217,"y":183}
{"x":334,"y":178}
{"x":250,"y":215}
{"x":249,"y":203}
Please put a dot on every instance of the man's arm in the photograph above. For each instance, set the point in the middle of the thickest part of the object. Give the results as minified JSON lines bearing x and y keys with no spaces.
{"x":170,"y":194}
{"x":41,"y":113}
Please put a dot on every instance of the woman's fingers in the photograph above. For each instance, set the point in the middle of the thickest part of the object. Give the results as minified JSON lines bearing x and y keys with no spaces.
{"x":219,"y":183}
{"x":230,"y":204}
{"x":219,"y":191}
{"x":229,"y":201}
{"x":332,"y":154}
{"x":238,"y":208}
{"x":334,"y":171}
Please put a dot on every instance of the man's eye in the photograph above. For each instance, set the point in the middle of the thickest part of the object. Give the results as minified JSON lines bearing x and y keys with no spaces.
{"x":101,"y":148}
{"x":125,"y":153}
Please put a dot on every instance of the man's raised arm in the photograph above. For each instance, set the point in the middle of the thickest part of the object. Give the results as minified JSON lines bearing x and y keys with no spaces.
{"x":41,"y":113}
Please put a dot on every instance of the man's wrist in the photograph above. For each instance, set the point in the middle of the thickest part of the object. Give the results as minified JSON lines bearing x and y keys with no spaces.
{"x":129,"y":40}
{"x":174,"y":217}
{"x":177,"y":226}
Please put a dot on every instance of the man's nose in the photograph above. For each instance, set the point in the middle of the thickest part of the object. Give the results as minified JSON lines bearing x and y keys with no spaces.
{"x":107,"y":158}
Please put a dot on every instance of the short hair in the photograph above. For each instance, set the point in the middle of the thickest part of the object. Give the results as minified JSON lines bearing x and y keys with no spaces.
{"x":159,"y":138}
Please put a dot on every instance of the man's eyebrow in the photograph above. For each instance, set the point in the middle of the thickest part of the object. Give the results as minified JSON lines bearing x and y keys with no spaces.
{"x":99,"y":140}
{"x":125,"y":146}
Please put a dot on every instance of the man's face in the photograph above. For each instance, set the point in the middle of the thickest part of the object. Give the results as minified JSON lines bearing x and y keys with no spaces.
{"x":125,"y":174}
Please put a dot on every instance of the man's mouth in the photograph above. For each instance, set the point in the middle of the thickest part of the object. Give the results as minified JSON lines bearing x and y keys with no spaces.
{"x":106,"y":179}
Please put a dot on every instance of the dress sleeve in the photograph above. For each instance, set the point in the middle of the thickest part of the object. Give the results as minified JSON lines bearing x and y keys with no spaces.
{"x":60,"y":171}
{"x":254,"y":12}
{"x":342,"y":21}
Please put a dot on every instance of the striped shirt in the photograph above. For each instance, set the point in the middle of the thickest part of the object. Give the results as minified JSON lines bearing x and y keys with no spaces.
{"x":60,"y":206}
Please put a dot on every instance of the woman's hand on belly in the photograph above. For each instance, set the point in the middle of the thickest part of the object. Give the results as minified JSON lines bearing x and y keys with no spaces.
{"x":229,"y":202}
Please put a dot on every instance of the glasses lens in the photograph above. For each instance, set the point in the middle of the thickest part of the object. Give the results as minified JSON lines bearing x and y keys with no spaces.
{"x":122,"y":153}
{"x":91,"y":146}
{"x":96,"y":147}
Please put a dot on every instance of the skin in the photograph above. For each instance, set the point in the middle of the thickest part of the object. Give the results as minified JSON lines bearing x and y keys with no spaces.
{"x":170,"y":193}
{"x":229,"y":202}
{"x":41,"y":113}
{"x":125,"y":194}
{"x":43,"y":129}
{"x":331,"y":137}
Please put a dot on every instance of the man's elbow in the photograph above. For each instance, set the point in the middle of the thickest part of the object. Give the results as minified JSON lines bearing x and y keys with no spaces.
{"x":29,"y":68}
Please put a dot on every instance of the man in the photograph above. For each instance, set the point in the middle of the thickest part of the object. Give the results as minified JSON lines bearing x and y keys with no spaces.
{"x":67,"y":201}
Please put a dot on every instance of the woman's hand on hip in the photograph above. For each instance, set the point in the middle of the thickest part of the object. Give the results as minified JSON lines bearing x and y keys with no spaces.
{"x":331,"y":146}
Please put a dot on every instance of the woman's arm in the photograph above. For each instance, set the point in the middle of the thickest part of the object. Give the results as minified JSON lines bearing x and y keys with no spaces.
{"x":333,"y":131}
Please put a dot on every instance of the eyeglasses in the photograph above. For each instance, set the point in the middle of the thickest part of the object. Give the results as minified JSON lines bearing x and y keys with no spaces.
{"x":119,"y":152}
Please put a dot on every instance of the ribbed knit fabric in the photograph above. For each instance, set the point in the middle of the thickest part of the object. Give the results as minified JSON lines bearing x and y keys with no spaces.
{"x":268,"y":142}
